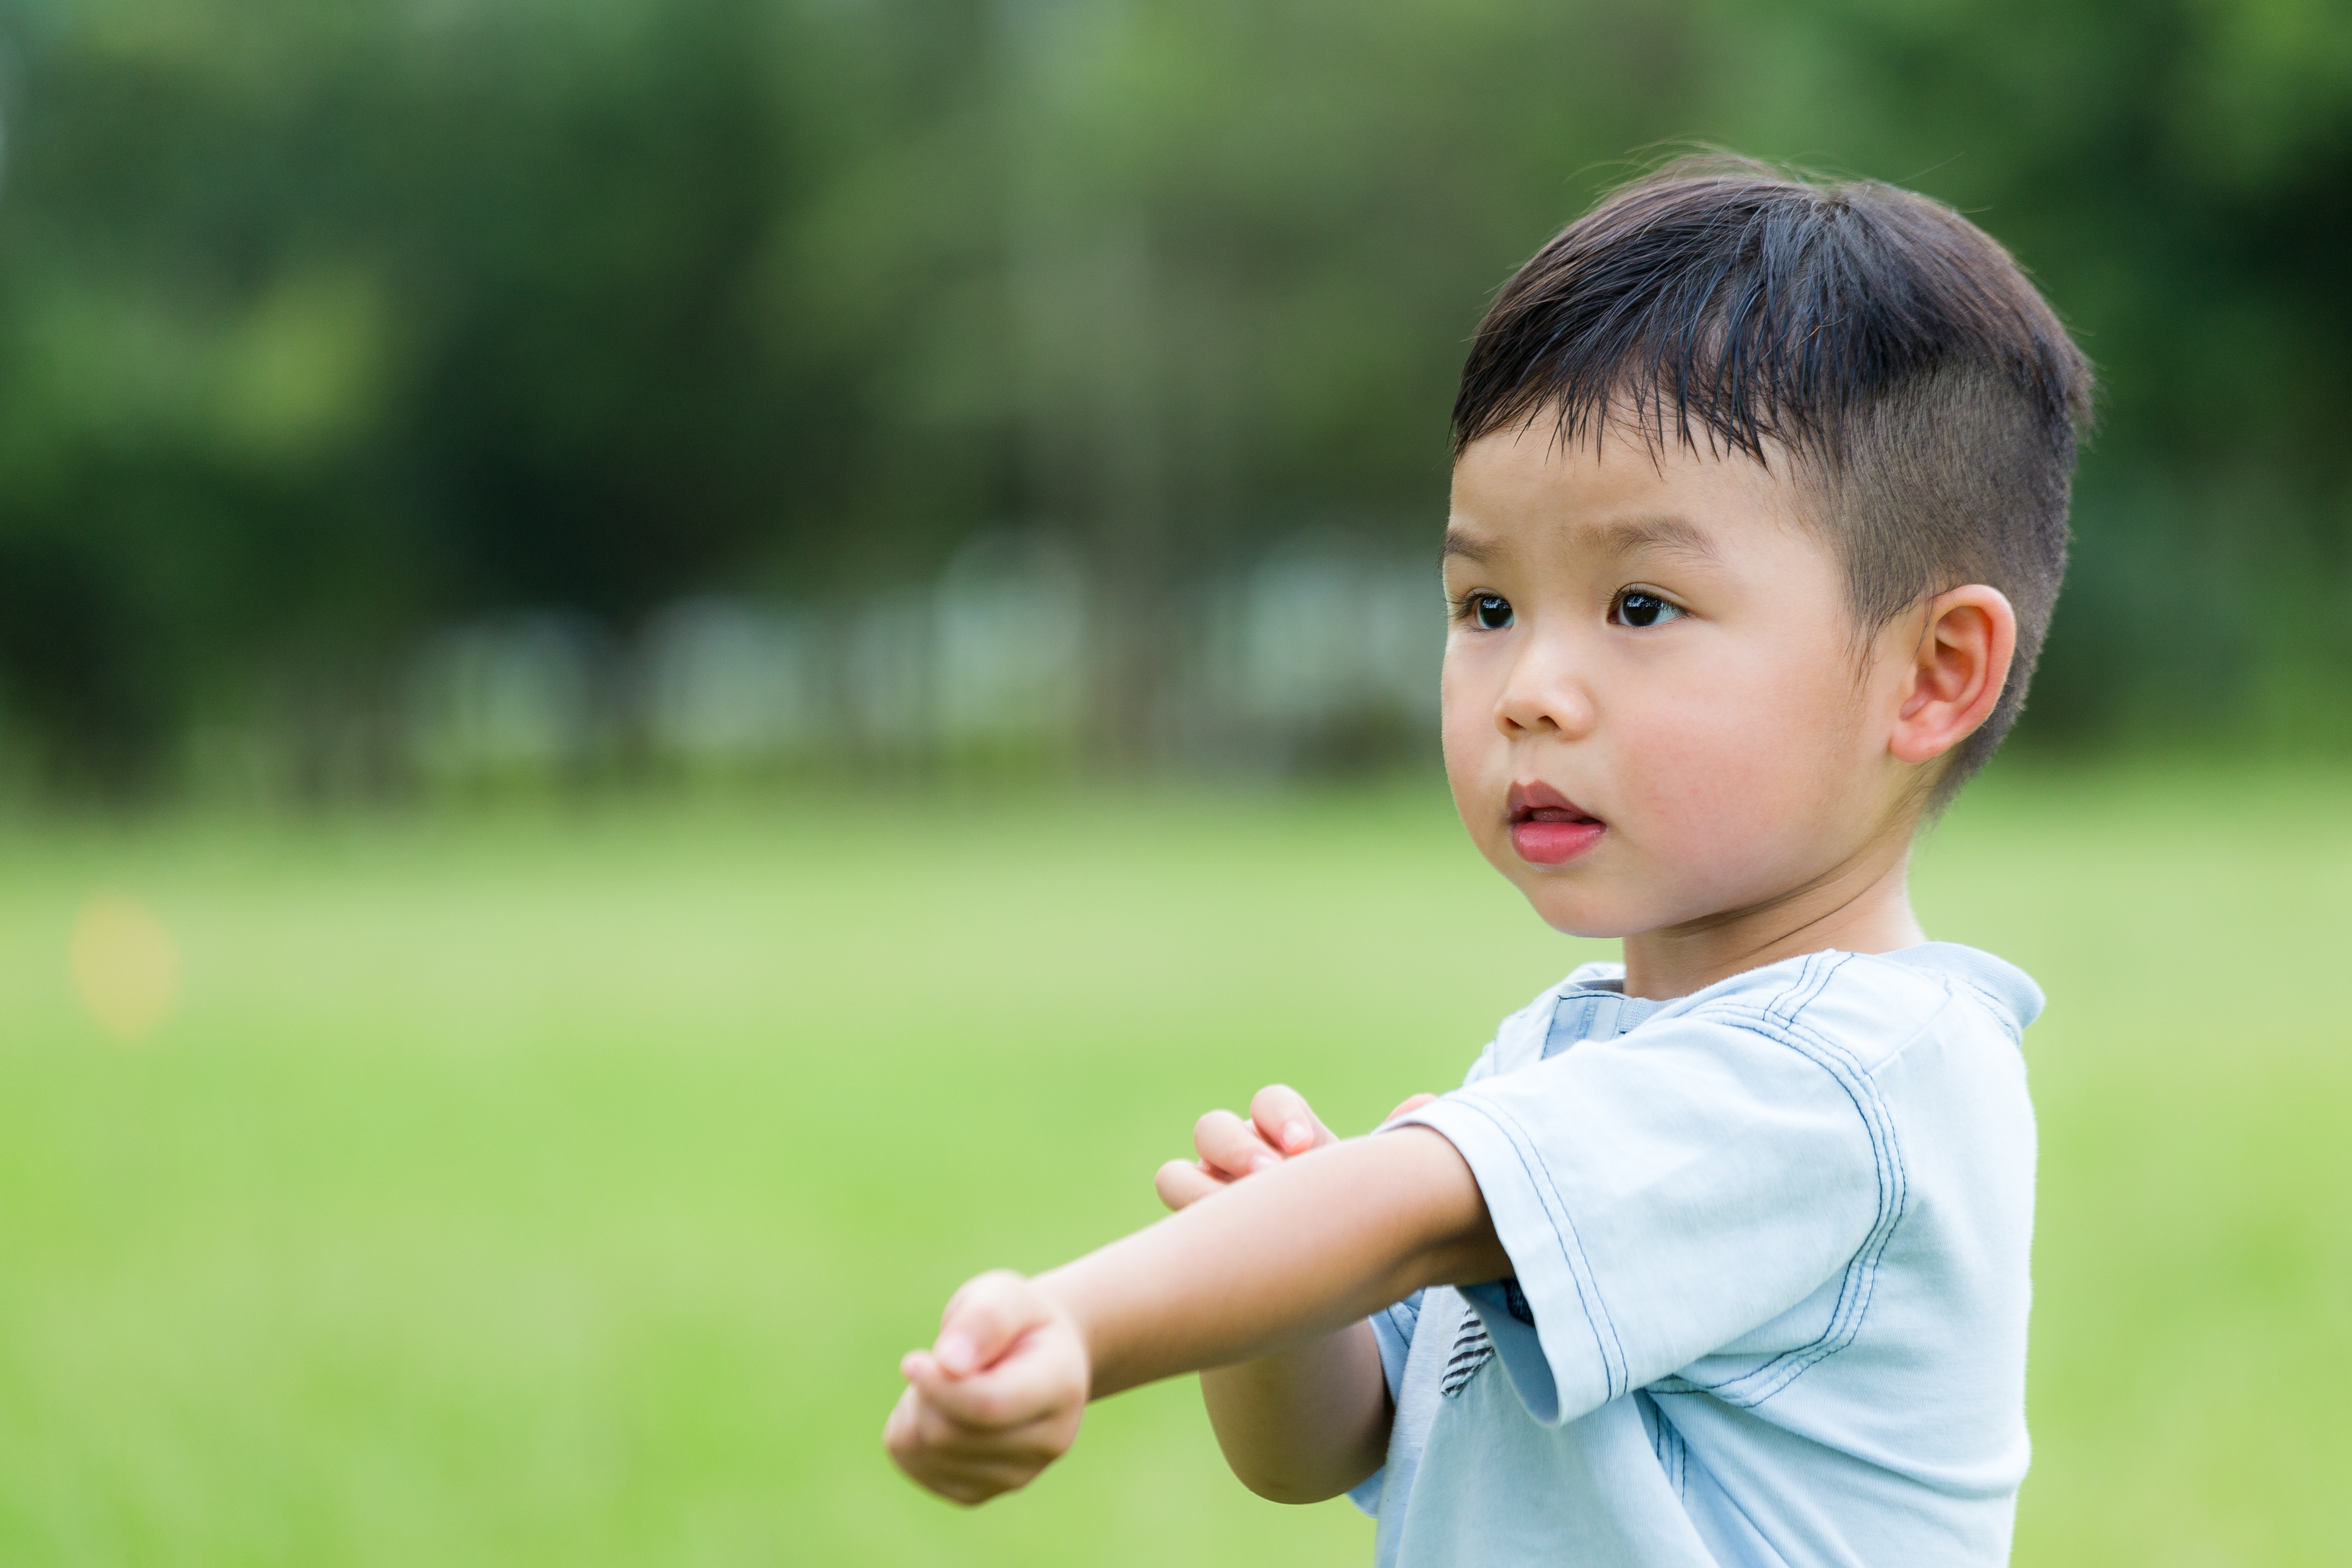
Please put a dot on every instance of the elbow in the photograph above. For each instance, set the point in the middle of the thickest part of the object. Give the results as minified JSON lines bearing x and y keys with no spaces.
{"x":1295,"y":1488}
{"x":1288,"y":1491}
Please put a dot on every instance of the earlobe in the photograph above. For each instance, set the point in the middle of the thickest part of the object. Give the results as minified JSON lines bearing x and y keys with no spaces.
{"x":1967,"y":637}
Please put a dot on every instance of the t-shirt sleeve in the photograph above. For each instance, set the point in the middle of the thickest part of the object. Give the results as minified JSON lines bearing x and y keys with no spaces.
{"x":1665,"y":1193}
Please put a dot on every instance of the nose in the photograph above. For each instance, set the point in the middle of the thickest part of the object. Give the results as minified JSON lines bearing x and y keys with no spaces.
{"x":1544,"y":694}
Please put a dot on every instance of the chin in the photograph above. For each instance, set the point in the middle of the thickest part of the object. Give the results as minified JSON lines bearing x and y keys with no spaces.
{"x":1578,"y":916}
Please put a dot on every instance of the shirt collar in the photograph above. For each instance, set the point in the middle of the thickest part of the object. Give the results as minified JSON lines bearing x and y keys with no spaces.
{"x":1594,"y":1006}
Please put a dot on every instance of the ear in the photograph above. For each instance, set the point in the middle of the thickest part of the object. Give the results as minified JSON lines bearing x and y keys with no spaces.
{"x":1956,"y":672}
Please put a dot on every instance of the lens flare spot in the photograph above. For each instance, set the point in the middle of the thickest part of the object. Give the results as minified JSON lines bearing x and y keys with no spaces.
{"x":125,"y":966}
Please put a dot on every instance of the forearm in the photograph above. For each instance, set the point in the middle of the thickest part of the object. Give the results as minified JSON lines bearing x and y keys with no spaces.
{"x":1307,"y":1423}
{"x":1279,"y":1260}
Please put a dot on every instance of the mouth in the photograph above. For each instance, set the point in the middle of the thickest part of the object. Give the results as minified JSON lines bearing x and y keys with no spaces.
{"x":1547,"y":828}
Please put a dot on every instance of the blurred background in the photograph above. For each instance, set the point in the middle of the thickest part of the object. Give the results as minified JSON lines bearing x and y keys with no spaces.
{"x":400,"y":392}
{"x":673,"y":671}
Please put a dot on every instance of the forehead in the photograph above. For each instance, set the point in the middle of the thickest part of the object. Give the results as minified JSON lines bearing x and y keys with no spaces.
{"x":1523,"y":488}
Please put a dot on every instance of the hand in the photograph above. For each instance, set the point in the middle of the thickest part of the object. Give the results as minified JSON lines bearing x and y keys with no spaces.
{"x":996,"y":1398}
{"x":1281,"y":1126}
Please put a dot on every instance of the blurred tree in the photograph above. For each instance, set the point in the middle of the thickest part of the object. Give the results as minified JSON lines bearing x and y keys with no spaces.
{"x":322,"y":322}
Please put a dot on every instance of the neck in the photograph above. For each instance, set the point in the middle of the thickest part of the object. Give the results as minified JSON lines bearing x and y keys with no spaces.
{"x":1863,"y":905}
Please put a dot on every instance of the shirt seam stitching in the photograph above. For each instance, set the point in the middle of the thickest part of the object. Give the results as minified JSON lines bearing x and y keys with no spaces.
{"x":1615,"y":1375}
{"x":1859,"y":1281}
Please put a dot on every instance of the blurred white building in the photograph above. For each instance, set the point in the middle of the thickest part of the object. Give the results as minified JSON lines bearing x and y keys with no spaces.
{"x":1319,"y":653}
{"x":1009,"y":618}
{"x":1323,"y":648}
{"x":728,"y":682}
{"x":511,"y":694}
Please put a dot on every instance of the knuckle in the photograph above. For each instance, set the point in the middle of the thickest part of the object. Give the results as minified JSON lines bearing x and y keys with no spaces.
{"x":989,"y":1299}
{"x":993,"y":1287}
{"x":987,"y":1409}
{"x":962,"y":1451}
{"x":1221,"y":1146}
{"x":1047,"y":1443}
{"x":1000,"y":1478}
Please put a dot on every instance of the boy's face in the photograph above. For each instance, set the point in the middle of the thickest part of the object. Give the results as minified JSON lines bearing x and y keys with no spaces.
{"x":1653,"y":713}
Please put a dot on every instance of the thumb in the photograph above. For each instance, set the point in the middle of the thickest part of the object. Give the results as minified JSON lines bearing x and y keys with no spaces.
{"x":985,"y":1320}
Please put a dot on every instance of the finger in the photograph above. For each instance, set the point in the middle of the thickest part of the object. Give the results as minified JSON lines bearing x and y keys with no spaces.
{"x":985,"y":1320}
{"x":966,"y":1477}
{"x":1180,"y":1184}
{"x":1284,"y":1120}
{"x":953,"y":1470}
{"x":1231,"y":1147}
{"x":899,"y":1430}
{"x":1408,"y":1105}
{"x":971,"y":1485}
{"x":1006,"y":1396}
{"x":922,"y":1439}
{"x":1036,"y":1442}
{"x":913,"y":1437}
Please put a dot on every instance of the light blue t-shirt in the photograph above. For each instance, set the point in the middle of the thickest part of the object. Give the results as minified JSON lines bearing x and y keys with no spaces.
{"x":1770,"y":1243}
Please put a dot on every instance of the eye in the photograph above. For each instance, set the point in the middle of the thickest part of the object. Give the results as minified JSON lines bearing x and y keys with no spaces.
{"x":1637,"y":607}
{"x":1492,"y":612}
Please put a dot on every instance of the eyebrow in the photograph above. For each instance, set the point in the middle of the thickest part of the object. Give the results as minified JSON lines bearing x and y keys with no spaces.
{"x":1665,"y":533}
{"x":1460,"y":544}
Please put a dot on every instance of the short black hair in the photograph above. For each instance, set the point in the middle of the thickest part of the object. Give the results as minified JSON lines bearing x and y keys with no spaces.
{"x":1924,"y":389}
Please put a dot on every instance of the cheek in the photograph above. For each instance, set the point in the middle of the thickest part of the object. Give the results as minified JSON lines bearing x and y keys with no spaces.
{"x":1478,"y":758}
{"x":1734,"y":762}
{"x":1465,"y":709}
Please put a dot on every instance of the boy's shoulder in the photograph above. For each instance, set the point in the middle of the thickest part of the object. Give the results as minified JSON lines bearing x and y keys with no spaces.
{"x":1866,"y":1007}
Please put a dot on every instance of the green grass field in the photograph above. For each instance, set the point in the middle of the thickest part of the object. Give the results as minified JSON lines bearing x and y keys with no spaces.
{"x":560,"y":1188}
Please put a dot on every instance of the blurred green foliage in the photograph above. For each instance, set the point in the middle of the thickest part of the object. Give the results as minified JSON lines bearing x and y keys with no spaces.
{"x":322,"y":322}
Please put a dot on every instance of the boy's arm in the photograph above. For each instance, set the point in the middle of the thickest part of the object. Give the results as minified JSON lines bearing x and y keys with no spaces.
{"x":1306,"y":1423}
{"x":1287,"y":1257}
{"x":1310,"y":1422}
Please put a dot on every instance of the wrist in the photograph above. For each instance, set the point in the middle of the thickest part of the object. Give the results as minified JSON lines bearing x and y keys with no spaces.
{"x":1065,"y":1298}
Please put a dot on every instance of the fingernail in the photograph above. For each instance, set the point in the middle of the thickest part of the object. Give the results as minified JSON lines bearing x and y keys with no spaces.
{"x":1263,"y":1163}
{"x":1295,"y":1136}
{"x":954,"y":1353}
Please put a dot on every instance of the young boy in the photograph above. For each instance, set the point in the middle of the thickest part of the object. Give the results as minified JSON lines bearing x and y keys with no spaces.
{"x":1719,"y":1256}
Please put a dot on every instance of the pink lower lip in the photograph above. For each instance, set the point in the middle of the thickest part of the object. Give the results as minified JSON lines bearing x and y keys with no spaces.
{"x":1550,"y":843}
